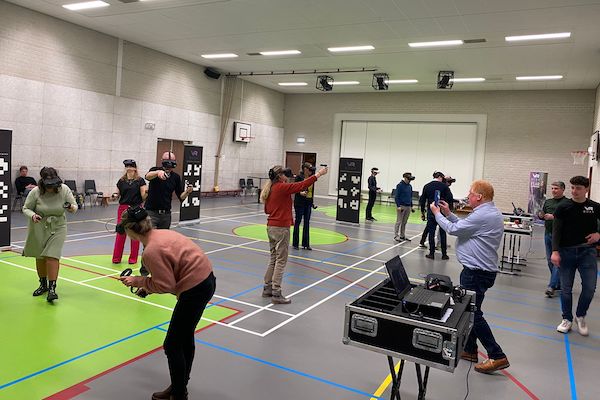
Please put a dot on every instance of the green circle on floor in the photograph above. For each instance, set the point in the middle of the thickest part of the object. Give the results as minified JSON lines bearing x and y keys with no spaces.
{"x":317,"y":235}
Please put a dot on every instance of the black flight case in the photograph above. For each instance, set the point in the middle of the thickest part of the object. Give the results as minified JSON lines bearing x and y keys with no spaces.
{"x":376,"y":321}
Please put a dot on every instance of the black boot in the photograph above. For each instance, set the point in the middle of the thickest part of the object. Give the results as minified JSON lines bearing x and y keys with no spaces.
{"x":43,"y":287}
{"x":52,"y":291}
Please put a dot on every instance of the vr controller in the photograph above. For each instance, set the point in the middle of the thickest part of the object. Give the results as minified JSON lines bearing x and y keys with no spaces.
{"x":136,"y":213}
{"x":140,"y":292}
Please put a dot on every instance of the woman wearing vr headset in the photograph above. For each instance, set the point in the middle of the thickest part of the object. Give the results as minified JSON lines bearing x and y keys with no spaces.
{"x":45,"y":207}
{"x":131,"y":191}
{"x":276,"y":195}
{"x":178,"y":266}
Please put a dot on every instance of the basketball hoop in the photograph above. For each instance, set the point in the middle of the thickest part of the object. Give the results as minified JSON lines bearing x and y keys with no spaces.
{"x":579,"y":157}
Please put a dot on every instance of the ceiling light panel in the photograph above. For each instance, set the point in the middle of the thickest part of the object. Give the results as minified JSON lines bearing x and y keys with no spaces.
{"x":221,"y":55}
{"x":539,"y":78}
{"x":544,"y":36}
{"x":86,"y":5}
{"x":400,"y":81}
{"x":280,"y":52}
{"x":350,"y":48}
{"x":440,"y":43}
{"x":292,"y":83}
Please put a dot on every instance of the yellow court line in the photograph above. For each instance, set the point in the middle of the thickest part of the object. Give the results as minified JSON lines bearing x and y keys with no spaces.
{"x":290,"y":256}
{"x":386,"y":382}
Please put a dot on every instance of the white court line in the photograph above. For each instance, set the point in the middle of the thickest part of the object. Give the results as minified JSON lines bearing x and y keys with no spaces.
{"x":136,"y":299}
{"x":330,"y":296}
{"x":252,"y":305}
{"x":232,"y":246}
{"x":73,"y":235}
{"x":320,"y":281}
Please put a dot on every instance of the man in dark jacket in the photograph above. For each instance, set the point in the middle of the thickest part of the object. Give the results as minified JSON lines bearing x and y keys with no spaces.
{"x":404,"y":205}
{"x":425,"y":200}
{"x":373,"y":190}
{"x":303,"y":205}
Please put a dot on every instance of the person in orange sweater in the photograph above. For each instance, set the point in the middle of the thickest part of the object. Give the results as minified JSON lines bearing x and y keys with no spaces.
{"x":177,"y":266}
{"x":277,"y":197}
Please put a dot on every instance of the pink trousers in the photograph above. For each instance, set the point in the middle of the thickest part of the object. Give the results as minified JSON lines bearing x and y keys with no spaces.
{"x":120,"y":242}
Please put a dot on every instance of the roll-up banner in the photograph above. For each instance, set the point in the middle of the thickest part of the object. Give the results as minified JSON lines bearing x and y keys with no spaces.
{"x":5,"y":184}
{"x":189,"y":211}
{"x":349,"y":184}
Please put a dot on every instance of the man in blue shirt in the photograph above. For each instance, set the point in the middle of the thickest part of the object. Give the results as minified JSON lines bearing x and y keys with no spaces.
{"x":478,"y":239}
{"x":403,"y":205}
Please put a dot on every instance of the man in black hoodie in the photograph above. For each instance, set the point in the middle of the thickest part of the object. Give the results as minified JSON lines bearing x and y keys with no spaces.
{"x":425,"y":200}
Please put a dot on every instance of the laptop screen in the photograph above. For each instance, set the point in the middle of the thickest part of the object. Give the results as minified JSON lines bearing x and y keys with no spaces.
{"x":398,"y":276}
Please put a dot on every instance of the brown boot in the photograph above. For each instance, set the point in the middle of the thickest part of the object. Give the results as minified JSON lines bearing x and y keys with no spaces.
{"x":267,"y":290}
{"x":278,"y":298}
{"x":489,"y":365}
{"x":164,"y":395}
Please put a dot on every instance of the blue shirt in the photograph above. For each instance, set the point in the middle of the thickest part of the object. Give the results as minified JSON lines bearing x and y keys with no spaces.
{"x":403,"y":194}
{"x":478,"y":236}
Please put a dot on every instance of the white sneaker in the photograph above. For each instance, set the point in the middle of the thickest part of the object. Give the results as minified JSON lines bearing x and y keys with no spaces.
{"x":582,"y":326}
{"x":565,"y":326}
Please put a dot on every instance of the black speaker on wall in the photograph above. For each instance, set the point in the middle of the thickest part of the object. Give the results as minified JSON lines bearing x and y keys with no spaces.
{"x":212,"y":73}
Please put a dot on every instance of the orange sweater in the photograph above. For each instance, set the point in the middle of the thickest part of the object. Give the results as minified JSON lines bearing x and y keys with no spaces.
{"x":279,"y":203}
{"x":174,"y":261}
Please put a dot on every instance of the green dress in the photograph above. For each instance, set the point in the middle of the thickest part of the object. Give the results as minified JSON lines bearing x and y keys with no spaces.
{"x":47,"y":237}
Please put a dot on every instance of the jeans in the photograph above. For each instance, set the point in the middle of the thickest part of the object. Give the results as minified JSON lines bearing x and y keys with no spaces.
{"x":179,"y":343}
{"x":583,"y":259}
{"x":480,"y":281}
{"x":160,"y":221}
{"x":431,"y":225}
{"x":302,"y":212}
{"x":554,"y":271}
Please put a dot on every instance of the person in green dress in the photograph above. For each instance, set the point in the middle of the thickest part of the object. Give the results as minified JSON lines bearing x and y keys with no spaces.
{"x":45,"y":207}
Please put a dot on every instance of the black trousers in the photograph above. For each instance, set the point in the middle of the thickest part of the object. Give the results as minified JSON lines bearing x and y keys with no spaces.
{"x":302,"y":212}
{"x":160,"y":221}
{"x":431,"y":226}
{"x":179,"y":344}
{"x":370,"y":204}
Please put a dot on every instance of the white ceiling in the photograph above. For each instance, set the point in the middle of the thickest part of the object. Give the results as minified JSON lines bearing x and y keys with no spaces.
{"x":189,"y":28}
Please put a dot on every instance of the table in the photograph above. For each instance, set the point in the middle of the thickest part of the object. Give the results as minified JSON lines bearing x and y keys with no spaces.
{"x":511,"y":254}
{"x":260,"y":179}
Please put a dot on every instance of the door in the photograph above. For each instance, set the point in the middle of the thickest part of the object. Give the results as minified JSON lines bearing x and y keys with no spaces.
{"x":175,"y":147}
{"x":294,"y":160}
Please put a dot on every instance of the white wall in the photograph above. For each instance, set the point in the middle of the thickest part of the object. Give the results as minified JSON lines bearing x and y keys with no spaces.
{"x":419,"y":148}
{"x":58,"y":94}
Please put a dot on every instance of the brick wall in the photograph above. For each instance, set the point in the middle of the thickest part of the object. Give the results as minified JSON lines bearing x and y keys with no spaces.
{"x":526,"y":130}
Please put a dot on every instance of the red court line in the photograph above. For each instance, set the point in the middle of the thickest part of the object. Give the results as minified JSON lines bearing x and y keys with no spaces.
{"x":515,"y":381}
{"x":90,"y":271}
{"x":81,"y":387}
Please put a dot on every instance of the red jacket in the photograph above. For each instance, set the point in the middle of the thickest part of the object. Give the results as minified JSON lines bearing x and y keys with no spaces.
{"x":279,"y":204}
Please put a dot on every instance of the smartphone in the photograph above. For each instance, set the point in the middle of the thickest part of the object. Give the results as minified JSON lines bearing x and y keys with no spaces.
{"x":436,"y":198}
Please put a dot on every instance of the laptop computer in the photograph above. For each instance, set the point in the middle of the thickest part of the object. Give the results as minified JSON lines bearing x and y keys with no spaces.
{"x":398,"y":276}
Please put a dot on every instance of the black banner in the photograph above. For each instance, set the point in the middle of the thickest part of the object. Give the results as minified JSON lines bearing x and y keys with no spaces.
{"x":5,"y":185}
{"x":189,"y":210}
{"x":349,"y":184}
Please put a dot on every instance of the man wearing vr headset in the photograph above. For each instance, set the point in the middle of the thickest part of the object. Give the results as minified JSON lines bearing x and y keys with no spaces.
{"x":45,"y":207}
{"x":428,"y":197}
{"x":163,"y":182}
{"x":303,"y":205}
{"x":404,"y":206}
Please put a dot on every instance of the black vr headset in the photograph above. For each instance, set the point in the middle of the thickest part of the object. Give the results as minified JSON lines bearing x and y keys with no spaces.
{"x":136,"y":213}
{"x":52,"y":183}
{"x":408,"y":176}
{"x":287,"y":172}
{"x":130,"y":163}
{"x":169,"y":163}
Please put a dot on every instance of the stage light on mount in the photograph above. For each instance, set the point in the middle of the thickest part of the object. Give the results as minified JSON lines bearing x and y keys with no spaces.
{"x":324,"y":83}
{"x":445,"y":79}
{"x":380,"y":81}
